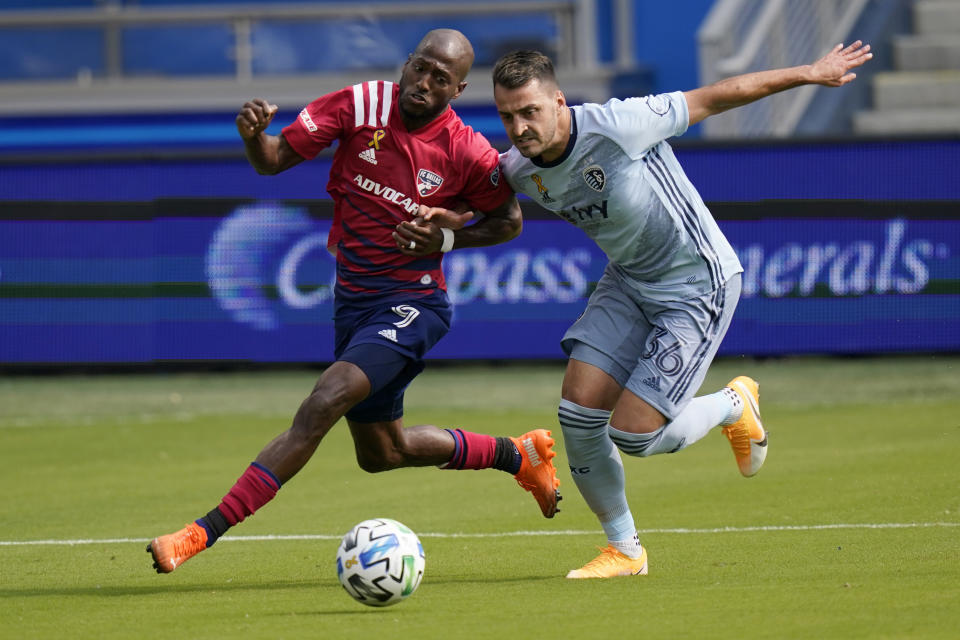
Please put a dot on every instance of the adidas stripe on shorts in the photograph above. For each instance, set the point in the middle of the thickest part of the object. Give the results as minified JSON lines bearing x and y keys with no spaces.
{"x":388,"y":342}
{"x":658,"y":350}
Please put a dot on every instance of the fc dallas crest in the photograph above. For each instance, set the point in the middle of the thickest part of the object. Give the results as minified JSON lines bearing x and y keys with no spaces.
{"x":428,"y":182}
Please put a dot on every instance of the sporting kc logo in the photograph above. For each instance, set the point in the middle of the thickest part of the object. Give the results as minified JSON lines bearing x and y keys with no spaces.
{"x":428,"y":182}
{"x":659,"y":104}
{"x":594,"y":177}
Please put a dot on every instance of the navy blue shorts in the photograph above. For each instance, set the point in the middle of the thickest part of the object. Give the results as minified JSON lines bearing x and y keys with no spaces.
{"x":389,"y":344}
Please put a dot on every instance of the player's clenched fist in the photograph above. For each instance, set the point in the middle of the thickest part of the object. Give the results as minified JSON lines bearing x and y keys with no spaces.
{"x":254,"y":117}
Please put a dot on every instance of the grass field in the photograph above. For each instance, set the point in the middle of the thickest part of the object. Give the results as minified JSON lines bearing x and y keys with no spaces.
{"x":852,"y":529}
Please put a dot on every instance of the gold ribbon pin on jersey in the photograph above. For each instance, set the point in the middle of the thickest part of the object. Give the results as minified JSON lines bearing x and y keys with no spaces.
{"x":377,"y":137}
{"x":544,"y":194}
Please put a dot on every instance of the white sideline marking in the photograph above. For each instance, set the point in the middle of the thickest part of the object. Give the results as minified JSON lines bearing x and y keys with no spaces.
{"x":510,"y":534}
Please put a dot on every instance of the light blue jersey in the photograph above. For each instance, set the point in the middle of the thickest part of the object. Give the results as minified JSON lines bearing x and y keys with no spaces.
{"x":619,"y":181}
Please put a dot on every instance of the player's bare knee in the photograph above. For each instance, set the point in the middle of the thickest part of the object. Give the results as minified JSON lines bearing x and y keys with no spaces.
{"x":576,"y":395}
{"x":370,"y":464}
{"x":325,"y":405}
{"x":380,"y":460}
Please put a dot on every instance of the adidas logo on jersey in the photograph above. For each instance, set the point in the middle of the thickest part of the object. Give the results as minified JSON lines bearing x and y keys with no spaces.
{"x":369,"y":155}
{"x":532,"y":452}
{"x":653,"y":382}
{"x":389,"y":334}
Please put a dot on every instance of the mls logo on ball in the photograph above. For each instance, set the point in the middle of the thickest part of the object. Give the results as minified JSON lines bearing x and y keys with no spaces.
{"x":428,"y":182}
{"x":594,"y":177}
{"x":380,"y":562}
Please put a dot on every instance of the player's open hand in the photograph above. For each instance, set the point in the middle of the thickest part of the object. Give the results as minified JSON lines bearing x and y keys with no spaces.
{"x":833,"y":69}
{"x":449,"y":218}
{"x":254,"y":117}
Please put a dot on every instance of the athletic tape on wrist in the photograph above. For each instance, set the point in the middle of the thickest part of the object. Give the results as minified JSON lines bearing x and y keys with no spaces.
{"x":447,"y":240}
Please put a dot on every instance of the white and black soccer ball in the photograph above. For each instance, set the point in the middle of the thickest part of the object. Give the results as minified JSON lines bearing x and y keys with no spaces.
{"x":380,"y":562}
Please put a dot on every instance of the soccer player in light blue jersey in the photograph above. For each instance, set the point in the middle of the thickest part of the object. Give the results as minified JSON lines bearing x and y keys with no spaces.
{"x":641,"y":349}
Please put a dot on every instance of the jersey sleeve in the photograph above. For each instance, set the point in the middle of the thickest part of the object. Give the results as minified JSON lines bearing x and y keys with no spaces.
{"x":505,"y":173}
{"x":484,"y":188}
{"x":640,"y":123}
{"x":320,"y":123}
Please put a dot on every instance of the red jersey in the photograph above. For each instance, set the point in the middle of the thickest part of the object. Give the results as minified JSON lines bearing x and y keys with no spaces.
{"x":381,"y":173}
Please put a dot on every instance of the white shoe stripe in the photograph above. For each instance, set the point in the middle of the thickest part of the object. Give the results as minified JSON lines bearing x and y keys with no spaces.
{"x":745,"y":392}
{"x":750,"y":399}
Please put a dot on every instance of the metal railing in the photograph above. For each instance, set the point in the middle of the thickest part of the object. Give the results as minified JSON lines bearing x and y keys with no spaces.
{"x":575,"y":21}
{"x":740,"y":36}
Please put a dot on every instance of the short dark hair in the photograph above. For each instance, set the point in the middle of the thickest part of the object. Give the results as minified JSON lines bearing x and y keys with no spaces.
{"x":517,"y":68}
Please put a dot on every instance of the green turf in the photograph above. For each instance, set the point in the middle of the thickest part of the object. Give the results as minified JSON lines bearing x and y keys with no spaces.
{"x":871,"y":445}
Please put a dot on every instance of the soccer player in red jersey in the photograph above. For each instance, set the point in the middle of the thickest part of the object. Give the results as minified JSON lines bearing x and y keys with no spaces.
{"x":402,"y":152}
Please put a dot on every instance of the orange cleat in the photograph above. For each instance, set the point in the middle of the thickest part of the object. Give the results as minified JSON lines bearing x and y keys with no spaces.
{"x":171,"y":551}
{"x":537,"y":473}
{"x":611,"y":563}
{"x":747,"y":436}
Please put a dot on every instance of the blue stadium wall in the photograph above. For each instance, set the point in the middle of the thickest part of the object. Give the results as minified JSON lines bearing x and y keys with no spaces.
{"x":848,"y":248}
{"x":116,"y":247}
{"x":663,"y":42}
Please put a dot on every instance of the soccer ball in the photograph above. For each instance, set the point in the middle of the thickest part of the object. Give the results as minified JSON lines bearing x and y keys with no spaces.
{"x":380,"y":562}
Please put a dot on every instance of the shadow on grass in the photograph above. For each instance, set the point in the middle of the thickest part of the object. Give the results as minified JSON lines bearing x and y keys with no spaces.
{"x":496,"y":579}
{"x":120,"y":592}
{"x":361,"y":609}
{"x":350,"y":609}
{"x":236,"y":586}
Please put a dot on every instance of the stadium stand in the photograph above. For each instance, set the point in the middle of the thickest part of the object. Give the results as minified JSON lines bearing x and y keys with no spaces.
{"x":166,"y":58}
{"x":94,"y":42}
{"x":154,"y":60}
{"x":739,"y":36}
{"x":921,"y":94}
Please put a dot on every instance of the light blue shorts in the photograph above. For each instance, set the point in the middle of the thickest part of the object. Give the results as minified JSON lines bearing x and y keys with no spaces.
{"x":660,"y":351}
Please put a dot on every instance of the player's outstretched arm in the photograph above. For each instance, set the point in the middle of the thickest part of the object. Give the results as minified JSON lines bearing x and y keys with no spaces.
{"x":499,"y":225}
{"x":832,"y":70}
{"x":267,"y":154}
